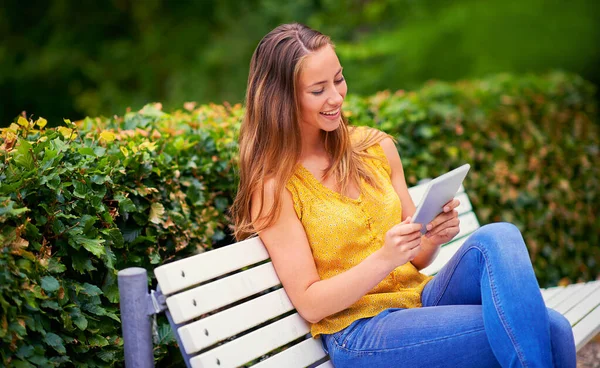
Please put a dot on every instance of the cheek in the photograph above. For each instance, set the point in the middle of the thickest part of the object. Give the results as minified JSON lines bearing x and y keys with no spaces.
{"x":315,"y":104}
{"x":310,"y":105}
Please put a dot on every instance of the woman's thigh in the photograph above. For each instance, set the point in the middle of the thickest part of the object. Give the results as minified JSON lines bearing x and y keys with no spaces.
{"x":451,"y":336}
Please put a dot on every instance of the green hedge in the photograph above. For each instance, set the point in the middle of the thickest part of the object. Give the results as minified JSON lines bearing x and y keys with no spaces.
{"x":533,"y":144}
{"x":80,"y":202}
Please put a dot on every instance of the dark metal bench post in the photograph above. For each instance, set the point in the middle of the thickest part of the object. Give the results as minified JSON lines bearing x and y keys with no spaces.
{"x":136,"y":322}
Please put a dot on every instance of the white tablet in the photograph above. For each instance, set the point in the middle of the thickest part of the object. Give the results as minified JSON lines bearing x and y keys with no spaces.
{"x":439,"y":192}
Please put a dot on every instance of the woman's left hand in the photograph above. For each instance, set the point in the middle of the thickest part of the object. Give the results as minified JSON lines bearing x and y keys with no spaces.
{"x":445,"y":226}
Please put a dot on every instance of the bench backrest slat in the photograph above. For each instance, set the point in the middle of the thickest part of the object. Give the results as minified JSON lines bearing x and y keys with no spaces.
{"x":230,"y":322}
{"x":190,"y":271}
{"x":253,"y":345}
{"x":194,"y":303}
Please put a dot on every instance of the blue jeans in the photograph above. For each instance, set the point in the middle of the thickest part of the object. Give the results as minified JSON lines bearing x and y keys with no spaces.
{"x":483,"y":309}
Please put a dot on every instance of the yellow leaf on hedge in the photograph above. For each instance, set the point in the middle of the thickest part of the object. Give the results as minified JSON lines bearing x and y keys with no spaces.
{"x":125,"y":151}
{"x":107,"y":136}
{"x":41,"y":122}
{"x":22,"y":121}
{"x":66,"y":132}
{"x":156,"y":212}
{"x":149,"y":146}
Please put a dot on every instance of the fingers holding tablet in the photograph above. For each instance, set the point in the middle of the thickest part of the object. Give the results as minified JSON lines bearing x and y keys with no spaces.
{"x":439,"y":196}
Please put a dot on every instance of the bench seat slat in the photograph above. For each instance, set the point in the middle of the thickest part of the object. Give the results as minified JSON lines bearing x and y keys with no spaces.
{"x":550,"y":292}
{"x":566,"y":293}
{"x":210,"y":330}
{"x":203,"y":299}
{"x":586,"y":306}
{"x":587,"y":328}
{"x":585,"y":291}
{"x":176,"y":276}
{"x":298,"y":356}
{"x":254,"y":344}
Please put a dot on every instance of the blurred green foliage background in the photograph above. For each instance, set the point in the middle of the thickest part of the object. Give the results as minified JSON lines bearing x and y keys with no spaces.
{"x":67,"y":58}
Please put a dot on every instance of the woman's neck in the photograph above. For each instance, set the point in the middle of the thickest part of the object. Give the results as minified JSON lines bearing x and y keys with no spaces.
{"x":313,"y":145}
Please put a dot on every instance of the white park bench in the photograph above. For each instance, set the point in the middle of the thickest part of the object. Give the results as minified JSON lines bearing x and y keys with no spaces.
{"x":228,"y":309}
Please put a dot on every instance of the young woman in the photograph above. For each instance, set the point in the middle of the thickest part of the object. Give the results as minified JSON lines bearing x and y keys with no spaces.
{"x":331,"y":204}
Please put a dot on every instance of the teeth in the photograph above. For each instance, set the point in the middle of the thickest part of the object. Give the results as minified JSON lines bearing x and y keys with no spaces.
{"x":330,"y":113}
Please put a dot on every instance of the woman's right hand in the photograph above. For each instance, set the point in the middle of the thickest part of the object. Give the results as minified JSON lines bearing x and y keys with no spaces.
{"x":402,"y":243}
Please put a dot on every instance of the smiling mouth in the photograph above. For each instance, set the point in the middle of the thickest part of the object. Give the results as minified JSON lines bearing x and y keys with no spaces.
{"x":331,"y":113}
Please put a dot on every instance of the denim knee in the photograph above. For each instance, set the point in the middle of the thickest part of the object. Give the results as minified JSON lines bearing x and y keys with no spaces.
{"x":502,"y":234}
{"x":559,"y":324}
{"x":564,"y":352}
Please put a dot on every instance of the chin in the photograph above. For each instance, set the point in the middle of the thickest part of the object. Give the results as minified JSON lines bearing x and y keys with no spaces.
{"x":330,"y":126}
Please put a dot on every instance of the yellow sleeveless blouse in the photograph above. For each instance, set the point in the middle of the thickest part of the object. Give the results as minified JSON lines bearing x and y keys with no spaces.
{"x":343,"y":231}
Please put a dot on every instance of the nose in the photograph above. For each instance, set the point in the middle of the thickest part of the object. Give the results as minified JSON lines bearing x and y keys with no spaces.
{"x":335,"y":98}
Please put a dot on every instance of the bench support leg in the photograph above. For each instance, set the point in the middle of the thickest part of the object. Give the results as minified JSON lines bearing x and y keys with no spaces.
{"x":137,"y":327}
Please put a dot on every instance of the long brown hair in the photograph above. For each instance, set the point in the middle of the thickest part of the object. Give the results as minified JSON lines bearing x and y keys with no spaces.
{"x":270,"y":140}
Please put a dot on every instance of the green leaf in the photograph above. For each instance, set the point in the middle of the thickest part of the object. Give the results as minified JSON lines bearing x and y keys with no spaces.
{"x":22,"y":364}
{"x":91,"y":290}
{"x":23,"y":156}
{"x":80,"y":321}
{"x":81,"y":189}
{"x":101,"y":179}
{"x":50,"y":284}
{"x":125,"y":204}
{"x":97,"y":341}
{"x":165,"y":334}
{"x":107,"y":356}
{"x":82,"y":263}
{"x":131,"y":233}
{"x":114,"y":236}
{"x":154,"y":258}
{"x":95,"y":309}
{"x":40,"y":360}
{"x":87,"y":151}
{"x":110,"y":259}
{"x":94,"y":246}
{"x":54,"y":266}
{"x":50,"y":304}
{"x":25,"y":351}
{"x":56,"y":342}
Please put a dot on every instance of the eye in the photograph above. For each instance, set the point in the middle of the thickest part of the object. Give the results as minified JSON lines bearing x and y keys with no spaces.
{"x":339,"y":80}
{"x":316,"y":93}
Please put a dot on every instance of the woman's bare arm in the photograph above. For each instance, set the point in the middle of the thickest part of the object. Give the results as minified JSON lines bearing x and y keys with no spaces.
{"x":291,"y":255}
{"x":428,"y":250}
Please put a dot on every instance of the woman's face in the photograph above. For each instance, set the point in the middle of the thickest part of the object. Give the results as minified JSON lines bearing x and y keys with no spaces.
{"x":321,"y":90}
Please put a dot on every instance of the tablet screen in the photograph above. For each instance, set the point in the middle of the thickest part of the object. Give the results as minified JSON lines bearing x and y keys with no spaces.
{"x":440,"y":191}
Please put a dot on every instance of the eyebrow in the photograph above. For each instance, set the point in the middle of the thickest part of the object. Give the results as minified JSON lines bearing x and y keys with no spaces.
{"x":321,"y":82}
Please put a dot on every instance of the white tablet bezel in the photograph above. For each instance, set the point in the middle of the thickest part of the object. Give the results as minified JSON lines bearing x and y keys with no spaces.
{"x":440,"y":191}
